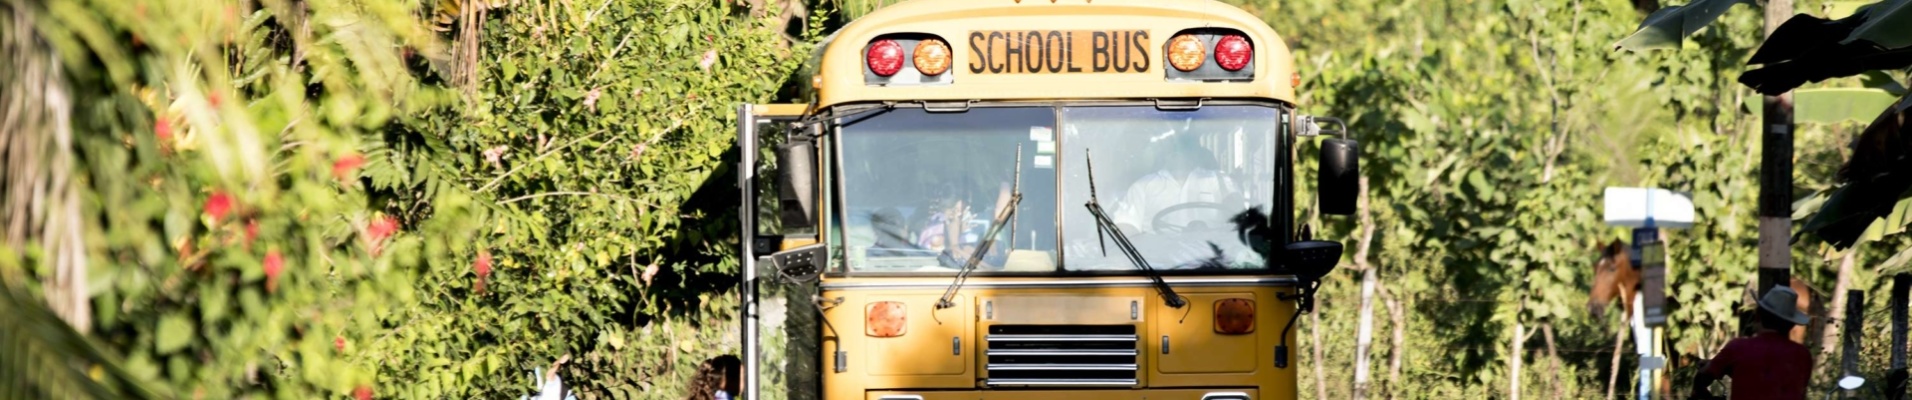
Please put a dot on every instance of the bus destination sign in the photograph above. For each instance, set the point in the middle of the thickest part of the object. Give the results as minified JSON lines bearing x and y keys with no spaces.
{"x":1059,"y":52}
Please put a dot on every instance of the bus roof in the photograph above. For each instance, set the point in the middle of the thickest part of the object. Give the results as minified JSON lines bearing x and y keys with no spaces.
{"x":985,"y":38}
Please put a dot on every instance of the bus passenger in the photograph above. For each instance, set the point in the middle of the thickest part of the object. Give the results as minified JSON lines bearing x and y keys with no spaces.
{"x":950,"y":233}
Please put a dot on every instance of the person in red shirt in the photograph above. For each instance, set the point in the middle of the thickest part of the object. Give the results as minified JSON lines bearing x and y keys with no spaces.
{"x":1767,"y":365}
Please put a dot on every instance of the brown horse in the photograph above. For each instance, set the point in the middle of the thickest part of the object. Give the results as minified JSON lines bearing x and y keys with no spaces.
{"x":1615,"y":278}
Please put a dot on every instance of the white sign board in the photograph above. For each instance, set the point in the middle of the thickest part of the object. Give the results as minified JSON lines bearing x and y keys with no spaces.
{"x":1631,"y":207}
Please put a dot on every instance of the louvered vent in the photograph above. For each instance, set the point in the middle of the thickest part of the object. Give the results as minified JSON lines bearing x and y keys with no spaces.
{"x":1062,"y":355}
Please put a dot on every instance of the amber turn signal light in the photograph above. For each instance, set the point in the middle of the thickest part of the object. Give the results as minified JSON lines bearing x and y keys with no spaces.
{"x":931,"y":57}
{"x":1185,"y":53}
{"x":885,"y":319}
{"x":1234,"y":316}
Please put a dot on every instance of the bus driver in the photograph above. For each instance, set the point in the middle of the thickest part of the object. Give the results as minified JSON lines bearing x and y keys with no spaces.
{"x":1187,"y":175}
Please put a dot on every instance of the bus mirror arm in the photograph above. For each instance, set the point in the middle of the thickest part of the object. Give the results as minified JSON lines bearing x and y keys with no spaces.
{"x":1311,"y":260}
{"x":1339,"y":181}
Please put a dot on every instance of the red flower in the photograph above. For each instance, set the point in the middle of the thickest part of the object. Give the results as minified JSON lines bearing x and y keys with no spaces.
{"x":218,"y":205}
{"x":252,"y":231}
{"x":163,"y":129}
{"x":339,"y":343}
{"x":380,"y":228}
{"x":363,"y":392}
{"x":347,"y":167}
{"x":483,"y":268}
{"x":273,"y":265}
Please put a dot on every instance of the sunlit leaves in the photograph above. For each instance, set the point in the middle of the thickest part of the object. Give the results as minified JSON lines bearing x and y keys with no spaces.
{"x":1459,"y":116}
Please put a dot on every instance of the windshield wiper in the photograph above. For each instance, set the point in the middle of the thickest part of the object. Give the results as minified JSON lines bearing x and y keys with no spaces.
{"x":1103,"y":223}
{"x":989,"y":237}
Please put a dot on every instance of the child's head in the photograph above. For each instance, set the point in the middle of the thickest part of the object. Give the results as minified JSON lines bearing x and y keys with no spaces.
{"x":733,"y":370}
{"x":717,"y":373}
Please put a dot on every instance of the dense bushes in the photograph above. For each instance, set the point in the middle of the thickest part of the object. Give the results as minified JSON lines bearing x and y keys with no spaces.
{"x":290,"y":198}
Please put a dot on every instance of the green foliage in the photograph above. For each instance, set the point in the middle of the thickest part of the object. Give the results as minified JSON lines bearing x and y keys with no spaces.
{"x":229,"y":243}
{"x":1499,"y":226}
{"x":287,"y":210}
{"x":603,"y":135}
{"x":1836,"y":105}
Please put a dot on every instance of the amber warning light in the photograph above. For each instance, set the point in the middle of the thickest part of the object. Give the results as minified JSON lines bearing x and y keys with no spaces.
{"x":931,"y":57}
{"x":1185,"y":53}
{"x":1234,"y":316}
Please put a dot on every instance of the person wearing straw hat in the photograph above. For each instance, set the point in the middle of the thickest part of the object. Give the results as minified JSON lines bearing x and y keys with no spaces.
{"x":1768,"y":364}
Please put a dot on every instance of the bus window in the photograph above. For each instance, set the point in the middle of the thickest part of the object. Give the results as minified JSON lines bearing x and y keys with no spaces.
{"x":920,"y":188}
{"x":1173,"y":181}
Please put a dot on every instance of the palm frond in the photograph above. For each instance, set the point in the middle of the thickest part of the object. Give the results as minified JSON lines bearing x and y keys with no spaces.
{"x":47,"y":359}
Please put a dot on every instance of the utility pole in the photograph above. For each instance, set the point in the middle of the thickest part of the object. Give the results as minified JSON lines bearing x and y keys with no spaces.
{"x":1775,"y":173}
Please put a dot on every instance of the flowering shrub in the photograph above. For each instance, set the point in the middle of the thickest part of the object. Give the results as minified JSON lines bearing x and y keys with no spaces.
{"x":295,"y":198}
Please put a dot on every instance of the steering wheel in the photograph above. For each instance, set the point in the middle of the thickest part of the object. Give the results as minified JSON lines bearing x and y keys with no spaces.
{"x":1161,"y":224}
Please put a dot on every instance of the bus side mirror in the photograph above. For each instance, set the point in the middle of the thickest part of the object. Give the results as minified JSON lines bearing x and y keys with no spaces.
{"x":797,"y":179}
{"x":1340,"y":176}
{"x":798,"y":266}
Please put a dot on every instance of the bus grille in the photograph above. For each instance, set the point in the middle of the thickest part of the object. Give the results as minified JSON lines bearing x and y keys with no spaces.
{"x":1062,"y":355}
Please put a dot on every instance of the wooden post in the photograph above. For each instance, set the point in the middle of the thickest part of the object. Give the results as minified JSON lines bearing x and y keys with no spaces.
{"x":1854,"y":326}
{"x":1775,"y":173}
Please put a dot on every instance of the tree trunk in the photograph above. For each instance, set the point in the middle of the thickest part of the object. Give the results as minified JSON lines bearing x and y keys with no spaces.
{"x":1364,"y":335}
{"x":42,"y":200}
{"x":1829,"y":340}
{"x":1321,"y":375}
{"x":1397,"y":316}
{"x":1619,"y":339}
{"x":1896,"y":376}
{"x":1849,"y":354}
{"x":1513,"y":370}
{"x":1553,"y":358}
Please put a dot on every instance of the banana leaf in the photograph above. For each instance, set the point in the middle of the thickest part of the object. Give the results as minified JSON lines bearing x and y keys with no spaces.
{"x":1666,"y":28}
{"x":1876,"y":184}
{"x":1887,"y":24}
{"x":1835,"y":105}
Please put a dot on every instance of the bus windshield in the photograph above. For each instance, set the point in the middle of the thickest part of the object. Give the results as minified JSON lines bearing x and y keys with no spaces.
{"x":921,"y":188}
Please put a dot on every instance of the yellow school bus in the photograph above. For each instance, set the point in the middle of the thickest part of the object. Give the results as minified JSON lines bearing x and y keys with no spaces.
{"x":1034,"y":199}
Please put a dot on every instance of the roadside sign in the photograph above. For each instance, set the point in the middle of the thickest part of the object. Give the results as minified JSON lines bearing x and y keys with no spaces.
{"x":1652,"y":264}
{"x":1648,"y":207}
{"x":1646,"y":210}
